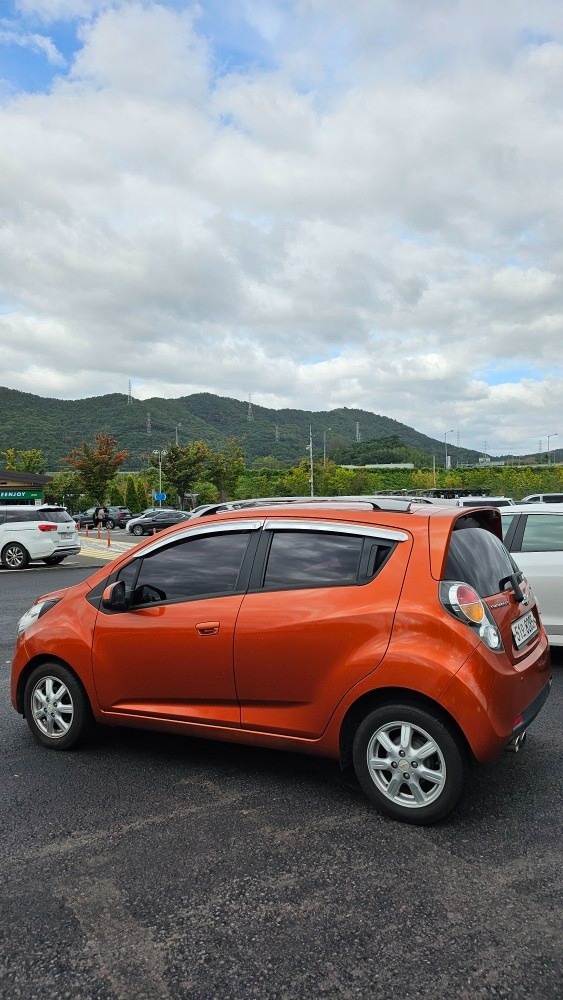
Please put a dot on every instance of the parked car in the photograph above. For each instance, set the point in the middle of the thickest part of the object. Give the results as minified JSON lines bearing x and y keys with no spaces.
{"x":27,"y":534}
{"x":484,"y":502}
{"x":153,"y":521}
{"x":534,"y":535}
{"x":543,"y":498}
{"x":117,"y":517}
{"x":398,"y":638}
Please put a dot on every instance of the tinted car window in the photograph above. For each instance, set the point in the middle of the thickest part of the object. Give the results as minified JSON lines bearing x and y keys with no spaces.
{"x":543,"y":533}
{"x":478,"y":557}
{"x":552,"y":497}
{"x":312,"y":559}
{"x":21,"y":515}
{"x":58,"y":516}
{"x":194,"y":567}
{"x":34,"y":514}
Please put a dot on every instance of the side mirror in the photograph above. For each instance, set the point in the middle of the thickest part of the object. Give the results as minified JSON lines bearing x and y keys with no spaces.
{"x":114,"y":597}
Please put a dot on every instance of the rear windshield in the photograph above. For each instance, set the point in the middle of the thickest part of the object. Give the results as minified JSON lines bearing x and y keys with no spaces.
{"x":479,"y":558}
{"x":34,"y":514}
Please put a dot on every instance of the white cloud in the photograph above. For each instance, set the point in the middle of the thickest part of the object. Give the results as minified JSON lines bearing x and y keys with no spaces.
{"x":373,"y":220}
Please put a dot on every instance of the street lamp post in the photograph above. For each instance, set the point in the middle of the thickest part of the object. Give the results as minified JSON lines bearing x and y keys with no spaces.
{"x":324,"y":443}
{"x":311,"y":468}
{"x":549,"y":436}
{"x":446,"y":448}
{"x":160,"y":452}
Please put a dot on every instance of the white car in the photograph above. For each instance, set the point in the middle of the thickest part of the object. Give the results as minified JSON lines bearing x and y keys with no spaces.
{"x":476,"y":501}
{"x":533,"y":533}
{"x":543,"y":498}
{"x":47,"y":533}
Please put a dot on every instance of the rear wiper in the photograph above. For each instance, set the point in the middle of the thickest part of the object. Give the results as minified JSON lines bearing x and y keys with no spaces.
{"x":514,"y":581}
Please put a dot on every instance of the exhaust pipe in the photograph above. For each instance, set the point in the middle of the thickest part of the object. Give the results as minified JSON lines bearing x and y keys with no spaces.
{"x":516,"y":743}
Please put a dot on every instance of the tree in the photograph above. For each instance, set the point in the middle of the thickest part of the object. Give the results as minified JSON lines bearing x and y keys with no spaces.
{"x":142,"y":496}
{"x":24,"y":461}
{"x":183,"y":466}
{"x":131,"y":494}
{"x":65,"y":488}
{"x":224,"y":467}
{"x":98,"y":465}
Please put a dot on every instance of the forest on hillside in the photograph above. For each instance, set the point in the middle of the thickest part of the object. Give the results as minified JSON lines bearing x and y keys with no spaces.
{"x":267,"y":437}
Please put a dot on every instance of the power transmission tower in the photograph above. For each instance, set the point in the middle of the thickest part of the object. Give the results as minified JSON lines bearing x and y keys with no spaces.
{"x":149,"y":427}
{"x":250,"y":414}
{"x":358,"y":435}
{"x":277,"y":432}
{"x":129,"y":396}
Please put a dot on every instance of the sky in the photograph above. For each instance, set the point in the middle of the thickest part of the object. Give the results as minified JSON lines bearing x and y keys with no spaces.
{"x":307,"y":203}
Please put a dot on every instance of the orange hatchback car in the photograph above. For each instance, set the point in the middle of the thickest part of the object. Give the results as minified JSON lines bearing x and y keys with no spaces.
{"x":399,"y":638}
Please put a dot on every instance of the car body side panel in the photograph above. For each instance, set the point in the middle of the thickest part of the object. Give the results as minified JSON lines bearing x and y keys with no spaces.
{"x":297,"y":652}
{"x":170,"y":661}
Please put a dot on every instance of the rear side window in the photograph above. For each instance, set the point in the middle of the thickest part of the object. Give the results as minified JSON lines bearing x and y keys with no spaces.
{"x":553,"y":497}
{"x":543,"y":533}
{"x":479,"y":558}
{"x":19,"y":516}
{"x":320,"y":559}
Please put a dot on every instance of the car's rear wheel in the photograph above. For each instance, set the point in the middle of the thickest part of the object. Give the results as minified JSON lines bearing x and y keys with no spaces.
{"x":14,"y":556}
{"x":409,"y":763}
{"x":137,"y":529}
{"x":53,"y":560}
{"x":110,"y":523}
{"x":56,"y":708}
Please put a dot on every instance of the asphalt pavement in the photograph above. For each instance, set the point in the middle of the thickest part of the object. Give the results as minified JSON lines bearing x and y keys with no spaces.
{"x":145,"y":866}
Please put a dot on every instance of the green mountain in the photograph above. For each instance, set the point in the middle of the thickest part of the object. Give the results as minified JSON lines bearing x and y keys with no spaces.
{"x":57,"y":425}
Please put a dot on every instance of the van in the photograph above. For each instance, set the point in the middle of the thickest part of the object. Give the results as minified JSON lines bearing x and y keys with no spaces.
{"x":27,"y":534}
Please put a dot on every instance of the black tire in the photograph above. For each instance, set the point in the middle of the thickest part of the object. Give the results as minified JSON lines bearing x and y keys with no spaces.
{"x":53,"y":560}
{"x":413,"y":787}
{"x":56,"y":709}
{"x":14,"y":556}
{"x":109,"y":523}
{"x":137,"y":529}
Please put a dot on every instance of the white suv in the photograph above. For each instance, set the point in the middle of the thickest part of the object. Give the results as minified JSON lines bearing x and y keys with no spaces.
{"x":29,"y":533}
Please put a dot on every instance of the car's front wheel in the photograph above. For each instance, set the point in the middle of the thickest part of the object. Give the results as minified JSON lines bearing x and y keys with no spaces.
{"x":56,"y":708}
{"x":137,"y":529}
{"x":14,"y":556}
{"x":409,"y":763}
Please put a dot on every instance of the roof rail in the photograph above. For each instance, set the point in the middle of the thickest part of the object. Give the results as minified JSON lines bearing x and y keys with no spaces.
{"x":372,"y":502}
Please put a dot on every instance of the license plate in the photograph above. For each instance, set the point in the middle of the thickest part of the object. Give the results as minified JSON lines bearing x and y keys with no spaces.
{"x":524,"y":629}
{"x":66,"y":534}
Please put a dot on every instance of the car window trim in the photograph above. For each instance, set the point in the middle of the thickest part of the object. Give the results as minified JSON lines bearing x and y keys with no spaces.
{"x":335,"y":527}
{"x":203,"y":529}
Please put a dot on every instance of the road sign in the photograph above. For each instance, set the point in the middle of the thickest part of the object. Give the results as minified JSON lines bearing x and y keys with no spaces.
{"x":160,"y":496}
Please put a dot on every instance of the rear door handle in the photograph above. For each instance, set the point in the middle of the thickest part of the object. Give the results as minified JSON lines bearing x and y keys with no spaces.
{"x":207,"y":628}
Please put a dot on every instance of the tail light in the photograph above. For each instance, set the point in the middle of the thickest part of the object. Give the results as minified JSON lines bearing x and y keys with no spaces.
{"x":47,"y":527}
{"x":464,"y":603}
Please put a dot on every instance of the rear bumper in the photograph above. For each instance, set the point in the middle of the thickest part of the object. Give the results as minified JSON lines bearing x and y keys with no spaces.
{"x":529,"y":713}
{"x":493,"y":702}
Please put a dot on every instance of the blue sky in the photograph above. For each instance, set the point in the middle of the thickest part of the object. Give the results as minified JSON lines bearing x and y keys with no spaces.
{"x":313,"y":203}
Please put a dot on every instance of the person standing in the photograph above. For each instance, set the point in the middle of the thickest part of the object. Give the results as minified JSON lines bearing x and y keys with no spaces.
{"x":100,"y":516}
